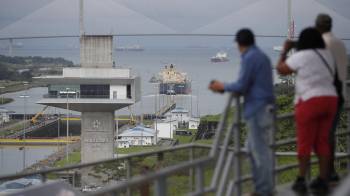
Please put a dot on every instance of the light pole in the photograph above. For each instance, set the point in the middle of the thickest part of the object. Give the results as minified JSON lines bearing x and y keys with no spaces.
{"x":198,"y":102}
{"x":155,"y":109}
{"x":170,"y":128}
{"x":58,"y":127}
{"x":2,"y":97}
{"x":67,"y":118}
{"x":2,"y":157}
{"x":67,"y":92}
{"x":25,"y":96}
{"x":117,"y":131}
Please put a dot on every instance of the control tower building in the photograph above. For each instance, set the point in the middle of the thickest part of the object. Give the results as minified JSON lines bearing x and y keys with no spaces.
{"x":96,"y":89}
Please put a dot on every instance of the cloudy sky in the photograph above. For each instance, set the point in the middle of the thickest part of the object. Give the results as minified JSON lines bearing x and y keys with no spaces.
{"x":265,"y":17}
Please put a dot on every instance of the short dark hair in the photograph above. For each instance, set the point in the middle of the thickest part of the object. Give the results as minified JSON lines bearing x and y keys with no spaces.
{"x":245,"y":37}
{"x":310,"y":38}
{"x":323,"y":23}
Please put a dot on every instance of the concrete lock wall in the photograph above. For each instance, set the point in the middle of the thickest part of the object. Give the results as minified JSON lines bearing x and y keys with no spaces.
{"x":97,"y":129}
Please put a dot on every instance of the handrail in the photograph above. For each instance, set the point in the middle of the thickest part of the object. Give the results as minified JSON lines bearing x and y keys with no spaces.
{"x":221,"y":158}
{"x":81,"y":165}
{"x":152,"y":176}
{"x":226,"y":152}
{"x":220,"y":128}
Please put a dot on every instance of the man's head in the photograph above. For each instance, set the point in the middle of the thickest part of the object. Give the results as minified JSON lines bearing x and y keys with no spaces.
{"x":323,"y":23}
{"x":245,"y":39}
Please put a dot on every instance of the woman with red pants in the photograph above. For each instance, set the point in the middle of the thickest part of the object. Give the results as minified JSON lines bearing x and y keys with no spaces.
{"x":315,"y":103}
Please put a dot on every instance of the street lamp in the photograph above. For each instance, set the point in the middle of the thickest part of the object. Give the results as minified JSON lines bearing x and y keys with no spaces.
{"x":2,"y":97}
{"x":155,"y":110}
{"x":67,"y":118}
{"x":67,"y":92}
{"x":25,"y":96}
{"x":155,"y":107}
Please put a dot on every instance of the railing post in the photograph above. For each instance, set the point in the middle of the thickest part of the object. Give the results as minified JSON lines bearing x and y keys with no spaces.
{"x":237,"y":144}
{"x":220,"y":127}
{"x":199,"y":179}
{"x":160,"y":187}
{"x":190,"y":181}
{"x":223,"y":153}
{"x":43,"y":178}
{"x":272,"y":146}
{"x":160,"y":156}
{"x":128,"y":175}
{"x":225,"y":174}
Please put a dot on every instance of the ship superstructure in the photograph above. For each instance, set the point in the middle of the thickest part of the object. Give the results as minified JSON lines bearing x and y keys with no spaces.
{"x":171,"y":81}
{"x":220,"y":57}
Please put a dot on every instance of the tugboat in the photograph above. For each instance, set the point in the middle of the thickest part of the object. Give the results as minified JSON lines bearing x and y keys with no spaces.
{"x":219,"y":57}
{"x":172,"y":82}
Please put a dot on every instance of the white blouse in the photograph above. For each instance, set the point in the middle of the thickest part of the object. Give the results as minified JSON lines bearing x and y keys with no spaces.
{"x":313,"y":79}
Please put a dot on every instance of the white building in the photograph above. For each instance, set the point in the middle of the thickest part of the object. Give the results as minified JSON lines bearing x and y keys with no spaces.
{"x":183,"y":118}
{"x":123,"y":143}
{"x":4,"y":116}
{"x":193,"y":123}
{"x":181,"y":115}
{"x":166,"y":128}
{"x":137,"y":136}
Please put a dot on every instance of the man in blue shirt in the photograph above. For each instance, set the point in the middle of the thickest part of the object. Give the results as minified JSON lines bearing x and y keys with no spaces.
{"x":255,"y":84}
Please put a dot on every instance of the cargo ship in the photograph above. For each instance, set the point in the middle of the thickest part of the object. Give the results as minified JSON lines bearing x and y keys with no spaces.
{"x":172,"y":82}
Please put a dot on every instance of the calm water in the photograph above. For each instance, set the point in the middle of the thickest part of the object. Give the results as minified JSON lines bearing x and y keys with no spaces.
{"x":195,"y":62}
{"x":11,"y":157}
{"x":158,"y":52}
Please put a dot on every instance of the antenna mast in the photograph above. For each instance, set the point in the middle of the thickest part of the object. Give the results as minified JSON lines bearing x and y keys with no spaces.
{"x":289,"y":22}
{"x":81,"y":17}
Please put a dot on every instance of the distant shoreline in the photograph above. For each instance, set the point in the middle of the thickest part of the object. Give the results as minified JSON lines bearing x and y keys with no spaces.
{"x":15,"y":86}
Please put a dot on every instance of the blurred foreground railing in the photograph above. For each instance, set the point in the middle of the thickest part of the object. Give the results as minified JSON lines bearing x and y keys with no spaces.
{"x":215,"y":168}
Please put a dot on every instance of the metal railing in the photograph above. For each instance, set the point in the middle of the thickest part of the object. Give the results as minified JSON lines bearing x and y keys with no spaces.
{"x":225,"y":180}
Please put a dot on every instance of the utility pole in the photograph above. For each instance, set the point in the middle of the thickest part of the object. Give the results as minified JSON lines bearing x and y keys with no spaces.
{"x":155,"y":111}
{"x":25,"y":96}
{"x":11,"y":47}
{"x":67,"y":122}
{"x":2,"y":96}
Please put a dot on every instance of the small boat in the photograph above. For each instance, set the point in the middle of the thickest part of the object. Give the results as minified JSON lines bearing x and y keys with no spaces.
{"x":135,"y":47}
{"x":278,"y":48}
{"x":219,"y":57}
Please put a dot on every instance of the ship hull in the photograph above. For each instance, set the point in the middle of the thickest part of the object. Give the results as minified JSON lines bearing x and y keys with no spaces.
{"x":217,"y":60}
{"x":172,"y":88}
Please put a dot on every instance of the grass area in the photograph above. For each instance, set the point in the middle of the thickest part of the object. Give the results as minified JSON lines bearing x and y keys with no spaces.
{"x":15,"y":127}
{"x":210,"y":141}
{"x":135,"y":149}
{"x":73,"y":158}
{"x":183,"y":139}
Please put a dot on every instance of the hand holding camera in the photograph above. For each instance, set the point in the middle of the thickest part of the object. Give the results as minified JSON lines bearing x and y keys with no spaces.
{"x":288,"y":45}
{"x":216,"y":86}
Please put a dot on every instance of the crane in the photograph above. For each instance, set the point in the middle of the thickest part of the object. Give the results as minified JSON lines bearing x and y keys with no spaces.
{"x":34,"y":119}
